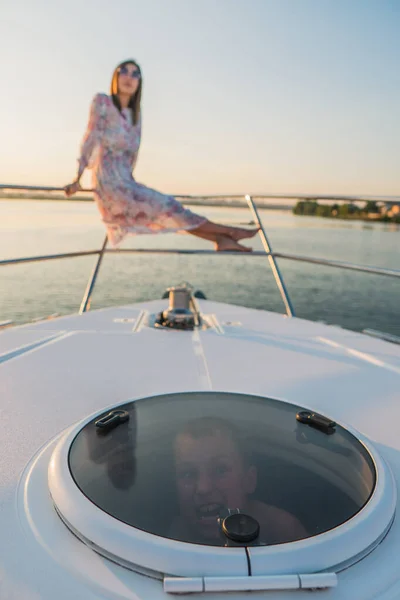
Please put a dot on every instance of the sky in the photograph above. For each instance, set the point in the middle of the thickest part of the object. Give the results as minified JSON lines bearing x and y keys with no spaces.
{"x":239,"y":96}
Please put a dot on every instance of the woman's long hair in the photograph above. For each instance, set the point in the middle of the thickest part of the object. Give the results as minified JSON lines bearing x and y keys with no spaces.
{"x":134,"y":101}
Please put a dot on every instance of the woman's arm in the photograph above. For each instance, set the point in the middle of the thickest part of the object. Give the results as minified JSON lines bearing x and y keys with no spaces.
{"x":94,"y":130}
{"x":139,"y":134}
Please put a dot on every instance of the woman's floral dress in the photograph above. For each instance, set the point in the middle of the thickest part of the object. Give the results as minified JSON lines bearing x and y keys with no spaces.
{"x":110,"y":147}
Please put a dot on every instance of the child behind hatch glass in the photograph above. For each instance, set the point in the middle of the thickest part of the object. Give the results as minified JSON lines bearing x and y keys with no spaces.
{"x":213,"y":474}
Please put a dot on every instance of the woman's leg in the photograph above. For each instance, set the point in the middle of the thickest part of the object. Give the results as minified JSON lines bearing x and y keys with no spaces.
{"x":223,"y":243}
{"x":154,"y":207}
{"x":236,"y":233}
{"x":169,"y":213}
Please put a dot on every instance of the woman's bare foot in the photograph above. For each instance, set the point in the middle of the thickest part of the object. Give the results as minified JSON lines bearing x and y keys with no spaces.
{"x":241,"y":233}
{"x":225,"y":243}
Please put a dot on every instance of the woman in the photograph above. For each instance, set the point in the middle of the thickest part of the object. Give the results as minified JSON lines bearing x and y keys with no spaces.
{"x":110,"y":146}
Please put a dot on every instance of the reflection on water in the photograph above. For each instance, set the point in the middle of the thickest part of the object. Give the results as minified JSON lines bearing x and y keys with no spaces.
{"x":353,"y":300}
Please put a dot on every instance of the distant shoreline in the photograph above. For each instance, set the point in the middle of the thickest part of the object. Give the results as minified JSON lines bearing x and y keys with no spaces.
{"x":371,"y":211}
{"x":187,"y":201}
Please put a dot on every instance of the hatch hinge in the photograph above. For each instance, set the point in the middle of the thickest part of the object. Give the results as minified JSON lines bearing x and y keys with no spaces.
{"x":190,"y":585}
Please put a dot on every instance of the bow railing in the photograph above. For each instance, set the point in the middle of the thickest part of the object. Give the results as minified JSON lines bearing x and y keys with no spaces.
{"x":267,"y":252}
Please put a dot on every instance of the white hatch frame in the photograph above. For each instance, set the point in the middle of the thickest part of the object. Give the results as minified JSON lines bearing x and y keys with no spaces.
{"x":158,"y":557}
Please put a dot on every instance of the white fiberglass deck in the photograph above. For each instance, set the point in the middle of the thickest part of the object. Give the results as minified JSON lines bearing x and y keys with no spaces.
{"x":57,"y":372}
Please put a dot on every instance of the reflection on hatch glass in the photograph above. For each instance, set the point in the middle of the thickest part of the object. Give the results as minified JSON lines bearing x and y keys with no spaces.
{"x":222,"y":469}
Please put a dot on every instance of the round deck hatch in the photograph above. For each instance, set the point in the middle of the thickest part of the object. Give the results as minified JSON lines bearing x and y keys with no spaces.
{"x":186,"y":483}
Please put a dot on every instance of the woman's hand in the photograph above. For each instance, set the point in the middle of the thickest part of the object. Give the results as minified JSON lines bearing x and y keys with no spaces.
{"x":72,"y":188}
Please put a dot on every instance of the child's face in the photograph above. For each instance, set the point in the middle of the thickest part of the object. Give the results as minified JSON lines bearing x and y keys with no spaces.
{"x":211,"y":476}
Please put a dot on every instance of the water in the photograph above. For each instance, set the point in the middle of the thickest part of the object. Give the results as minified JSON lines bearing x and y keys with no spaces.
{"x":352,"y":300}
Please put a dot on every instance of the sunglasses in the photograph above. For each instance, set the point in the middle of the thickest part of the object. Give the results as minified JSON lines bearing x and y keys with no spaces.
{"x":125,"y":71}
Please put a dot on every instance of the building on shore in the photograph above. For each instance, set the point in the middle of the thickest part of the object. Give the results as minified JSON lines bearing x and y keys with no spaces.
{"x":390,"y":210}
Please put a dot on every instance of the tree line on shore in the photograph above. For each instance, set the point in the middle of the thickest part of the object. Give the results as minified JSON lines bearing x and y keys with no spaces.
{"x":378,"y":211}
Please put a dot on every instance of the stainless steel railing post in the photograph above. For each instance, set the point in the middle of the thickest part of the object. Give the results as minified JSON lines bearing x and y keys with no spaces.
{"x":274,"y":266}
{"x":85,"y":304}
